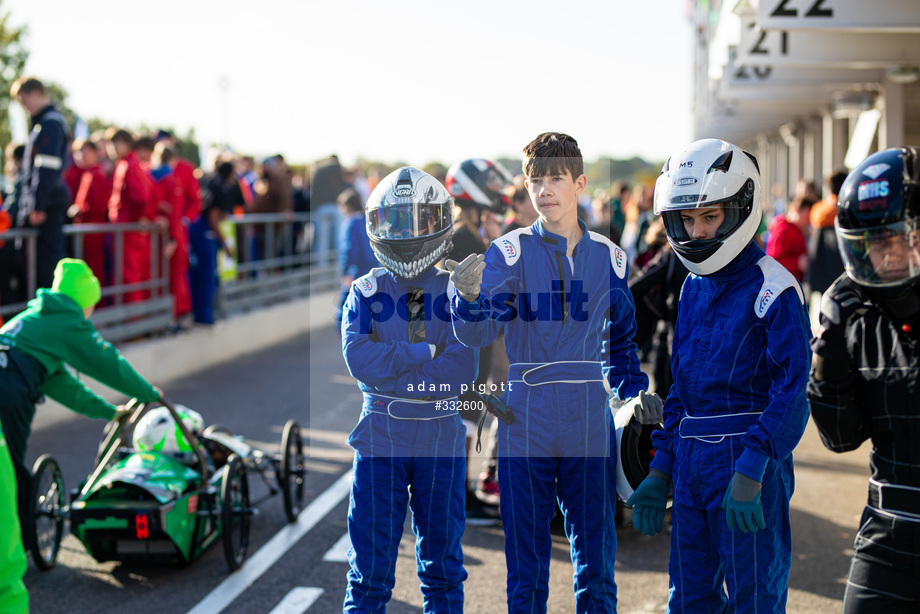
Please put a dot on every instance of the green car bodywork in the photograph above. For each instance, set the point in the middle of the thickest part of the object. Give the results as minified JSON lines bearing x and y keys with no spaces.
{"x":147,"y":506}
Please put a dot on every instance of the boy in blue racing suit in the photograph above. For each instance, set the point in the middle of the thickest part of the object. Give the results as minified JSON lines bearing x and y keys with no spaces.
{"x":737,"y":407}
{"x":560,"y":293}
{"x":410,"y":440}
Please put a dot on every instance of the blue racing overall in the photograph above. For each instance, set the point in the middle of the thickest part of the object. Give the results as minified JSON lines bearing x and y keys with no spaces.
{"x":409,"y":441}
{"x":569,"y":324}
{"x":740,"y":361}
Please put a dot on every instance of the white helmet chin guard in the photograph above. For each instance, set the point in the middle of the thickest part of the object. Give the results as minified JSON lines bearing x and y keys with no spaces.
{"x":710,"y":174}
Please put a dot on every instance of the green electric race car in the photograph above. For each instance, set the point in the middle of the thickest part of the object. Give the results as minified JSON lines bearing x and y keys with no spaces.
{"x":163,"y":499}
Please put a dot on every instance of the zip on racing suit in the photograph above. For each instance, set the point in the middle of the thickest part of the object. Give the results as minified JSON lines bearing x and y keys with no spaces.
{"x":740,"y":361}
{"x":409,"y":441}
{"x":569,"y":325}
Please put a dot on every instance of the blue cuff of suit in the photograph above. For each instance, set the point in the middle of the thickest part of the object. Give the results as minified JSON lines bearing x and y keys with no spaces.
{"x":753,"y":464}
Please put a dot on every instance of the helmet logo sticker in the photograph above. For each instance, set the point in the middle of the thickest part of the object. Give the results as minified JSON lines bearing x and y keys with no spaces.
{"x":687,"y":164}
{"x":508,"y":248}
{"x":686,"y":181}
{"x":456,"y":189}
{"x":874,"y":192}
{"x":404,"y":192}
{"x":874,"y":171}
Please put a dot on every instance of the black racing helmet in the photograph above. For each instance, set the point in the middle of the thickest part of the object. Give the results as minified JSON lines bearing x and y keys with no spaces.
{"x":409,"y":221}
{"x":878,"y":220}
{"x":634,"y":449}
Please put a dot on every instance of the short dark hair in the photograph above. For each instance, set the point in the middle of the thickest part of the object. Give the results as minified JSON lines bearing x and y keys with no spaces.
{"x":81,"y":144}
{"x":27,"y":85}
{"x":116,"y":135}
{"x":553,"y":153}
{"x":145,"y":142}
{"x":835,"y":181}
{"x":350,"y":199}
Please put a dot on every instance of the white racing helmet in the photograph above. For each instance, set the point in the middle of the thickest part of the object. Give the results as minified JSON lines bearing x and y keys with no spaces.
{"x":710,"y":173}
{"x":634,"y":448}
{"x":157,"y":430}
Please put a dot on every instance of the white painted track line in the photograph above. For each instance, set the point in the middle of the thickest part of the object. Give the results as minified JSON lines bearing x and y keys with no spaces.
{"x":297,"y":601}
{"x":339,"y":552}
{"x":237,"y":582}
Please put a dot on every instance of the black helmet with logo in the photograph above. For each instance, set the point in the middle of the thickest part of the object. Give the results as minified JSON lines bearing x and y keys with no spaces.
{"x":878,"y":220}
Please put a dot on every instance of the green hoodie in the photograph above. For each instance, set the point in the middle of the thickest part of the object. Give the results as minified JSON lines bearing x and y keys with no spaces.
{"x":54,"y":331}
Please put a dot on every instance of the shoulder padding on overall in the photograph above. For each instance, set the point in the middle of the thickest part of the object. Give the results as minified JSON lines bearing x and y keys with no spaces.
{"x":368,"y":284}
{"x":776,"y":279}
{"x":617,"y":255}
{"x":510,"y":244}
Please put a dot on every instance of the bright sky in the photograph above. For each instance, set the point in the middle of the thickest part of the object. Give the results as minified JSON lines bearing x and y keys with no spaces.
{"x":415,"y":80}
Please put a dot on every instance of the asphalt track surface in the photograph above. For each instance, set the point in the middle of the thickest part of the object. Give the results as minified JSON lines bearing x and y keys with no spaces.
{"x":299,"y":568}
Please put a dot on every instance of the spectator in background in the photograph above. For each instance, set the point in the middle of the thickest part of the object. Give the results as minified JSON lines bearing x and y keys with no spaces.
{"x":143,"y":151}
{"x":91,"y":192}
{"x":656,"y":290}
{"x":106,"y":162}
{"x":303,"y":233}
{"x":356,"y":258}
{"x":205,"y":240}
{"x":44,"y":198}
{"x":787,"y":235}
{"x":327,"y":183}
{"x":604,"y":223}
{"x":637,"y":212}
{"x":825,"y":264}
{"x":522,"y":211}
{"x":12,"y":276}
{"x":186,"y":179}
{"x":273,"y":194}
{"x":170,"y":197}
{"x":247,"y":172}
{"x":131,"y":202}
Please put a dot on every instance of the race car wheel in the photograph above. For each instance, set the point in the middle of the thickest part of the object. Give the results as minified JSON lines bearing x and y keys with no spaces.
{"x":46,"y":523}
{"x":234,"y":513}
{"x":291,"y":473}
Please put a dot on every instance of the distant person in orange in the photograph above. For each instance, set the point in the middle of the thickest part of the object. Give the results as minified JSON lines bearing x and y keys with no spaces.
{"x":787,"y":235}
{"x":170,"y":196}
{"x":825,"y":263}
{"x":131,"y":201}
{"x":91,"y":192}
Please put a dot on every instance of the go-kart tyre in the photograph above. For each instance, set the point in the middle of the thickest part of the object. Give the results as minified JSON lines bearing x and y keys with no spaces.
{"x":46,"y":520}
{"x":291,"y":472}
{"x":234,"y":512}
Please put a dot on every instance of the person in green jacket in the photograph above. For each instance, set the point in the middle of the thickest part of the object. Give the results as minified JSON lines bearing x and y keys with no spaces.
{"x":37,"y":345}
{"x":13,"y":595}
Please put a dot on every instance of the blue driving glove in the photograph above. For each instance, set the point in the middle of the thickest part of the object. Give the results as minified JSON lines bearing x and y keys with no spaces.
{"x":649,"y":502}
{"x":742,"y":505}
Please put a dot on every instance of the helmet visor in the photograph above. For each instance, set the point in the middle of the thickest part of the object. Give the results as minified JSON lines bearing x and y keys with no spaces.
{"x":674,"y":191}
{"x":882,"y":256}
{"x":408,"y":220}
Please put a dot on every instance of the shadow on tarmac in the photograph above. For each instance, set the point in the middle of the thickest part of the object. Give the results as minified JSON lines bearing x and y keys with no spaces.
{"x":821,"y":552}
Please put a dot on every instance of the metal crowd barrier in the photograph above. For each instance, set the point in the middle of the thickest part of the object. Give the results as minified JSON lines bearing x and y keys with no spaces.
{"x":274,"y":263}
